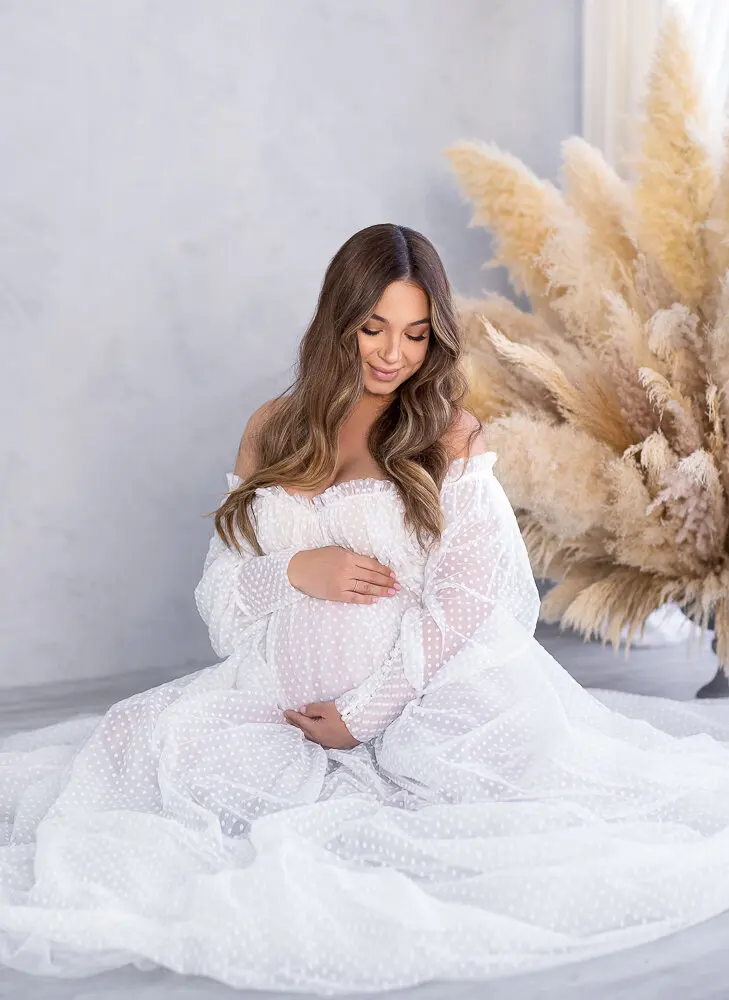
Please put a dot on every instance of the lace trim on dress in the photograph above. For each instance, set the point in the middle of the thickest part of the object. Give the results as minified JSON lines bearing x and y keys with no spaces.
{"x":348,"y":488}
{"x":366,"y":691}
{"x":370,"y":484}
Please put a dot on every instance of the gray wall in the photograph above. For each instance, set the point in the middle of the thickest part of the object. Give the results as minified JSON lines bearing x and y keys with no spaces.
{"x":175,"y":176}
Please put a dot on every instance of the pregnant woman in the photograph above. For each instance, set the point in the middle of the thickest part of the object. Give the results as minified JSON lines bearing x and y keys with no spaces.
{"x":386,"y":780}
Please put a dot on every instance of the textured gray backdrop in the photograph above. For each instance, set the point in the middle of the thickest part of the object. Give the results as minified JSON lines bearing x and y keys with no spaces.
{"x":175,"y":176}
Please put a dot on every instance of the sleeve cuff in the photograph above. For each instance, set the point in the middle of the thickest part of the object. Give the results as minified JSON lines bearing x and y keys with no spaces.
{"x":352,"y":703}
{"x":270,"y":589}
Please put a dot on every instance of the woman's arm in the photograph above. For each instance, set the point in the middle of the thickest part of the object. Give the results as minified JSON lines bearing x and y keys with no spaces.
{"x":480,"y":568}
{"x":235,"y":589}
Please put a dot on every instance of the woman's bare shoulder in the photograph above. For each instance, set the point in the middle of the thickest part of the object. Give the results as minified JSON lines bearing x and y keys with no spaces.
{"x":245,"y":462}
{"x":464,"y":437}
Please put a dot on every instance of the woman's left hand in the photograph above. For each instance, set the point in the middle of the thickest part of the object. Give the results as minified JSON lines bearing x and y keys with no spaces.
{"x":320,"y":722}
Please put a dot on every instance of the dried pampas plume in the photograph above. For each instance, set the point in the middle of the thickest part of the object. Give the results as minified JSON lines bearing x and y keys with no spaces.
{"x":608,"y":402}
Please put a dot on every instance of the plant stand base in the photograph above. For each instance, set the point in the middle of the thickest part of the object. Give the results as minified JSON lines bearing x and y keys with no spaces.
{"x":718,"y":687}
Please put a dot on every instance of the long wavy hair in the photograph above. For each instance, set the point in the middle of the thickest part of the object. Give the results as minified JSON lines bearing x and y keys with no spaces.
{"x":298,"y":441}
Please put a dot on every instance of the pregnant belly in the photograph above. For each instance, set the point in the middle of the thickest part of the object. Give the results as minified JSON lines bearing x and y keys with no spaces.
{"x":317,"y":650}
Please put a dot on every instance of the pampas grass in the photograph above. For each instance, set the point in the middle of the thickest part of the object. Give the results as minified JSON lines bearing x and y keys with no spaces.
{"x":608,"y":403}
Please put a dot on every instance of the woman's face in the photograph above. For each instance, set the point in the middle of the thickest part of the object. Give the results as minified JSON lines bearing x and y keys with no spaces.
{"x":394,"y":339}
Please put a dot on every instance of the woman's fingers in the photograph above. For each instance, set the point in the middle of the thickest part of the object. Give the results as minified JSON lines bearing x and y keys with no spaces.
{"x":304,"y":723}
{"x":352,"y":597}
{"x":374,"y":566}
{"x":365,"y":580}
{"x":373,"y":578}
{"x":361,"y":592}
{"x":377,"y":580}
{"x":321,"y":723}
{"x":363,"y":587}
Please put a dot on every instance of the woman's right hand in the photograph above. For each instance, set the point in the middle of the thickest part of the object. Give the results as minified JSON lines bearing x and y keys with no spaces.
{"x":333,"y":573}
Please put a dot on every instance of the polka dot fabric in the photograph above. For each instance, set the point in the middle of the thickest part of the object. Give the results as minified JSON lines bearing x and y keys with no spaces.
{"x":494,"y":818}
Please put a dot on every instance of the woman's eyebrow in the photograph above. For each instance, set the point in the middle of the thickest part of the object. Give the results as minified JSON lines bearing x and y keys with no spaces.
{"x":417,"y":322}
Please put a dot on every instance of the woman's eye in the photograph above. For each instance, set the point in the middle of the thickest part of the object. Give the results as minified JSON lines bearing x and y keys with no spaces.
{"x":373,"y":333}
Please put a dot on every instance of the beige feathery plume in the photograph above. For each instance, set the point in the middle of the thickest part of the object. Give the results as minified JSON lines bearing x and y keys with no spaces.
{"x":693,"y":499}
{"x":506,"y":316}
{"x":653,"y":289}
{"x":677,"y":181}
{"x":674,"y":338}
{"x":717,"y":339}
{"x":494,"y":389}
{"x":543,"y":546}
{"x":635,"y":409}
{"x":636,"y":536}
{"x":605,"y":202}
{"x":622,"y":600}
{"x":657,"y":460}
{"x":518,"y":208}
{"x":625,"y":325}
{"x":624,"y":349}
{"x":574,"y":579}
{"x":716,"y":438}
{"x":524,"y":328}
{"x":586,"y":406}
{"x":609,"y":403}
{"x":577,"y":278}
{"x":553,"y":556}
{"x":681,"y":426}
{"x":716,"y":233}
{"x":555,"y":470}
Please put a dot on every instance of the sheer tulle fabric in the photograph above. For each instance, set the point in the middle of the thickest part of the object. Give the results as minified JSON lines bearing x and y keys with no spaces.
{"x":496,"y":817}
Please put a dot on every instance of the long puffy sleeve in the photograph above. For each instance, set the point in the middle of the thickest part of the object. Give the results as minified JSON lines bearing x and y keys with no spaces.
{"x":236,"y":590}
{"x":476,"y":579}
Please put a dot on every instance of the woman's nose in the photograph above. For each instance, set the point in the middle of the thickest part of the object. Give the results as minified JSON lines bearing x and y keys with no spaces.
{"x":391,"y":351}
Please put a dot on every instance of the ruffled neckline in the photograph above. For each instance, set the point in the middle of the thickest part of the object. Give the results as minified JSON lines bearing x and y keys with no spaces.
{"x":370,"y":485}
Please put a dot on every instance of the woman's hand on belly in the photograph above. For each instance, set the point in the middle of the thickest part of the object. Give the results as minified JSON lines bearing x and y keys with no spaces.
{"x":333,"y":573}
{"x":321,"y":722}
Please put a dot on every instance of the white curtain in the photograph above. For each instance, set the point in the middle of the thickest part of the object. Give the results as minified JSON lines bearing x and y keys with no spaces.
{"x":618,"y":37}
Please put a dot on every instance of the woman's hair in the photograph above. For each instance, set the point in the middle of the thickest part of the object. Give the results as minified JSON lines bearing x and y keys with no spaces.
{"x":298,"y":440}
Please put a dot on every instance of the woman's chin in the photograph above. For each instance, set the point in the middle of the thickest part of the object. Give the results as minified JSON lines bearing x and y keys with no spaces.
{"x":380,"y":387}
{"x":377,"y":388}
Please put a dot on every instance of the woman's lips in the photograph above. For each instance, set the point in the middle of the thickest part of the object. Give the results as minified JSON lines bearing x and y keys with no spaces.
{"x":383,"y":374}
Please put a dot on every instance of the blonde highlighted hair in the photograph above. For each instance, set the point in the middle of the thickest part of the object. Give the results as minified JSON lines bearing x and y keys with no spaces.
{"x":298,"y":440}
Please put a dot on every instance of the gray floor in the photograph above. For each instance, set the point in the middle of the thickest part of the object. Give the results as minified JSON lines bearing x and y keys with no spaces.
{"x":691,"y":965}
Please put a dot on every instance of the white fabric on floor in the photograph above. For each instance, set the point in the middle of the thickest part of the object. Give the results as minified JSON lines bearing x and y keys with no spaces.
{"x":496,"y":818}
